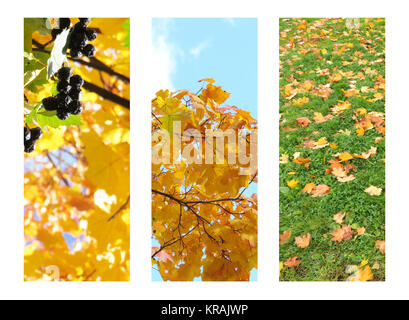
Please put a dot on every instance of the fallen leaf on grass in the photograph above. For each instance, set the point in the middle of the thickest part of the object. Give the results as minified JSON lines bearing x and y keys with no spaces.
{"x":371,"y":152}
{"x":373,"y":191}
{"x":380,"y":244}
{"x":320,"y":190}
{"x":300,"y":160}
{"x":319,"y":118}
{"x":351,"y":177}
{"x":293,"y":183}
{"x":303,"y":121}
{"x":342,"y":234}
{"x":284,"y":237}
{"x":360,"y":132}
{"x":303,"y":241}
{"x":360,"y":231}
{"x":364,"y":274}
{"x":316,"y":190}
{"x":345,"y":156}
{"x":339,"y":217}
{"x":284,"y":159}
{"x":309,"y":187}
{"x":292,"y":262}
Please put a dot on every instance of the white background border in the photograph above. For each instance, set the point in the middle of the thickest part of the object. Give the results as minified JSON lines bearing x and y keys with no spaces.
{"x":267,"y":286}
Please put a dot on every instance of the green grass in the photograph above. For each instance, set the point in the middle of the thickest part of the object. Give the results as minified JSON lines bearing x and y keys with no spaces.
{"x":326,"y":260}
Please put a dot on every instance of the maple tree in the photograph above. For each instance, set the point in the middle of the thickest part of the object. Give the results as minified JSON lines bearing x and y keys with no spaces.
{"x":76,"y":184}
{"x":202,"y":218}
{"x":332,"y":149}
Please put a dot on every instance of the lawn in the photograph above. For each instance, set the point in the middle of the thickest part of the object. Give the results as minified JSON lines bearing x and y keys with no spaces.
{"x":332,"y":149}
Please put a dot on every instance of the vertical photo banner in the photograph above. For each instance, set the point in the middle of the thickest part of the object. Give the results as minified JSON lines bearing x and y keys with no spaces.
{"x":332,"y":149}
{"x":76,"y":149}
{"x":204,"y":150}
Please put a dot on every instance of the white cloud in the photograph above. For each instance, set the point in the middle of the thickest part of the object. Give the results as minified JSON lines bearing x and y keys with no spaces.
{"x":231,"y":21}
{"x":199,"y":48}
{"x":163,"y":56}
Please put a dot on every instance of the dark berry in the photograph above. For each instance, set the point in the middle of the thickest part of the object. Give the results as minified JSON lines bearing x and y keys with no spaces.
{"x":63,"y":100}
{"x":63,"y":86}
{"x":75,"y":93}
{"x":75,"y":107}
{"x":91,"y":34}
{"x":89,"y":50}
{"x":78,"y":40}
{"x":79,"y":27}
{"x":55,"y":33}
{"x":64,"y":23}
{"x":50,"y":103}
{"x":64,"y":73}
{"x":29,"y":146}
{"x":27,"y":134}
{"x":76,"y":81}
{"x":85,"y":20}
{"x":75,"y":53}
{"x":36,"y":133}
{"x":62,"y":114}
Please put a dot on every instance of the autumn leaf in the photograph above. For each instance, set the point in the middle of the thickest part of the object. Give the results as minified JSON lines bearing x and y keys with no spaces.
{"x":301,"y":160}
{"x":339,"y":217}
{"x":293,"y":183}
{"x":345,"y":156}
{"x":380,"y":244}
{"x":342,"y":234}
{"x":321,"y":190}
{"x":309,"y":187}
{"x":303,"y":122}
{"x":351,"y":177}
{"x":292,"y":262}
{"x":284,"y":237}
{"x":373,"y":191}
{"x":371,"y":152}
{"x":360,"y":231}
{"x":303,"y":241}
{"x":284,"y":159}
{"x":163,"y":256}
{"x":364,"y":274}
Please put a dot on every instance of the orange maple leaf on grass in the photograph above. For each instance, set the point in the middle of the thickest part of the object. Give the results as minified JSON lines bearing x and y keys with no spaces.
{"x":284,"y":237}
{"x":339,"y":217}
{"x":303,"y":241}
{"x":292,"y":262}
{"x":303,"y":121}
{"x":380,"y":244}
{"x":342,"y":234}
{"x":316,"y":190}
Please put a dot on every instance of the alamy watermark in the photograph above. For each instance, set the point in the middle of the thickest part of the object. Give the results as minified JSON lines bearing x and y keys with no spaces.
{"x":213,"y":146}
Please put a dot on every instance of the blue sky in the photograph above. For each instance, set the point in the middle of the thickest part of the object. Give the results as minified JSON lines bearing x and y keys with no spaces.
{"x":186,"y":50}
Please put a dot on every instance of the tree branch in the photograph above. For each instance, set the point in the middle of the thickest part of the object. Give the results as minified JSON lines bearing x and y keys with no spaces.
{"x":93,"y":63}
{"x":58,"y":169}
{"x":107,"y":94}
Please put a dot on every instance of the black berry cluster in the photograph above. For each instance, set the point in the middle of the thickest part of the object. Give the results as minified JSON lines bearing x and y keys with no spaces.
{"x":67,"y":101}
{"x":78,"y":42}
{"x":30,"y":138}
{"x":63,"y":23}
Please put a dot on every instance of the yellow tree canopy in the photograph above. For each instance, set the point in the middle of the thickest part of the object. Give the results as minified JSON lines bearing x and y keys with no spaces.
{"x":205,"y":224}
{"x":76,"y":187}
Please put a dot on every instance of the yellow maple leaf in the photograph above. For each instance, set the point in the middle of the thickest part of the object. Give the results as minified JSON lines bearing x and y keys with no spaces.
{"x":345,"y":156}
{"x":293,"y":183}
